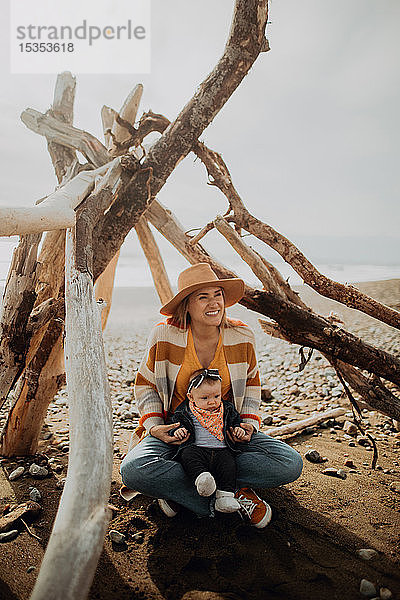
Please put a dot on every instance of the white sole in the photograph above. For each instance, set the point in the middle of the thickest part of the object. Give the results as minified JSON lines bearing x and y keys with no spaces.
{"x":165,"y":507}
{"x":127,"y":494}
{"x":205,"y":484}
{"x":266,"y":518}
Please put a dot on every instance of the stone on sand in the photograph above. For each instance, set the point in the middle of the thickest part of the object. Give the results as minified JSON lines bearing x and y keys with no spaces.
{"x":367,"y":588}
{"x":367,"y":553}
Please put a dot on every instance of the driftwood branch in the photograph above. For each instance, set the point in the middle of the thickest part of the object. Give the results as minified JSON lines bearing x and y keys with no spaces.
{"x":196,"y":239}
{"x":105,"y":283}
{"x":346,"y":294}
{"x":291,"y":428}
{"x":107,"y":117}
{"x":154,"y":258}
{"x":251,"y":258}
{"x":149,"y":122}
{"x":384,"y":400}
{"x":124,"y":121}
{"x":18,"y":300}
{"x":104,"y":289}
{"x":64,"y":159}
{"x":246,"y":41}
{"x":76,"y":541}
{"x":43,"y":371}
{"x":45,"y":312}
{"x":66,"y":135}
{"x":57,"y":211}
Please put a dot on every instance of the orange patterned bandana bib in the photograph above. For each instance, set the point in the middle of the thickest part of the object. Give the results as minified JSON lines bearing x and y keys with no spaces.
{"x":212,"y":421}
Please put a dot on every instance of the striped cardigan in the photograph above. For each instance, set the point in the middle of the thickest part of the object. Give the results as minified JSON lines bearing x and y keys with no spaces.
{"x":157,"y":373}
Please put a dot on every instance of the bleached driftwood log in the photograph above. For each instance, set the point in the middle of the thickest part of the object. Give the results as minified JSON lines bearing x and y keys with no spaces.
{"x":57,"y":211}
{"x":43,"y":373}
{"x":107,"y":118}
{"x":104,"y":289}
{"x":18,"y":300}
{"x":124,"y":121}
{"x":71,"y":137}
{"x":297,"y":426}
{"x":76,"y":541}
{"x":156,"y":263}
{"x":249,"y":256}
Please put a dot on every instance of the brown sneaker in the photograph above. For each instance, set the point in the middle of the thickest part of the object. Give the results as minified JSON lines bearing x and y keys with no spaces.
{"x":252,"y":508}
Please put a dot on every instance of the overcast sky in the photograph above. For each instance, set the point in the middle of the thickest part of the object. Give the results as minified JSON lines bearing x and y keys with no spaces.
{"x":310,"y":136}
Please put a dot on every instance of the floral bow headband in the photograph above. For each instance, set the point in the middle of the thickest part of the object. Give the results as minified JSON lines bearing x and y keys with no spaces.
{"x":205,"y":374}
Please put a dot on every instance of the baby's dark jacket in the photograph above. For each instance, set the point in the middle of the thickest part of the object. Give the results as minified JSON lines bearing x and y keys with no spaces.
{"x":231,"y":418}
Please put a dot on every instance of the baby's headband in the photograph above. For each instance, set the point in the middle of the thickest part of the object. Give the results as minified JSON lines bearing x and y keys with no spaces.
{"x":205,"y":374}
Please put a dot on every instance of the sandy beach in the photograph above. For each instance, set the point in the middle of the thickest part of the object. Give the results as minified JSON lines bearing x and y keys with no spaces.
{"x":310,"y":549}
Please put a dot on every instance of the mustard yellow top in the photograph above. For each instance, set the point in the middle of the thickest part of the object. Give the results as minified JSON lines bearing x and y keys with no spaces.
{"x":191,"y":364}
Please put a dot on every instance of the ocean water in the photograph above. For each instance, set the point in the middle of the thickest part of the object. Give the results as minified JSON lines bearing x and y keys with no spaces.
{"x":133,"y":270}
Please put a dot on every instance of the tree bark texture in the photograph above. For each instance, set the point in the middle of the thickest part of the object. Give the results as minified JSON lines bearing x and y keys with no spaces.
{"x":76,"y":541}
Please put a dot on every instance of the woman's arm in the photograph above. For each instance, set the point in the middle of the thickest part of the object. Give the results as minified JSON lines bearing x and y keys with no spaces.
{"x":147,"y":398}
{"x":250,"y":410}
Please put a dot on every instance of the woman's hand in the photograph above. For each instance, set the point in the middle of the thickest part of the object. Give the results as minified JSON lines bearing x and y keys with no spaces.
{"x":248,"y":429}
{"x":161,"y":432}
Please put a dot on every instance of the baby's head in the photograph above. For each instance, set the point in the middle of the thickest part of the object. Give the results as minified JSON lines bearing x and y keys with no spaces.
{"x":204,"y":389}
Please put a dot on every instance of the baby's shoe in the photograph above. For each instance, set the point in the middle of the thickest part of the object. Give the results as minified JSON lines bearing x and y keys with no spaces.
{"x":205,"y":484}
{"x":226,"y":502}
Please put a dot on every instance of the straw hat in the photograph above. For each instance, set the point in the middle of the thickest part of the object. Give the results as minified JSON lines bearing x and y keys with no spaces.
{"x":199,"y":276}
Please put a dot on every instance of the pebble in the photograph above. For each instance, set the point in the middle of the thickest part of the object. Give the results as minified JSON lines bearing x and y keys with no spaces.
{"x":266,"y":394}
{"x":37,"y":471}
{"x":385,"y":594}
{"x":8,"y":535}
{"x":16,"y":473}
{"x":116,"y":537}
{"x":367,"y":553}
{"x":349,"y":463}
{"x":35,"y":495}
{"x":60,"y":483}
{"x":313,"y":456}
{"x":267,"y":420}
{"x":349,"y":428}
{"x":367,"y":588}
{"x":363,"y":441}
{"x":30,"y":569}
{"x":335,"y":473}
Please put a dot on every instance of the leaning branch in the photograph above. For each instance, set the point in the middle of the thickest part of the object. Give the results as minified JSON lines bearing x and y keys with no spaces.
{"x":246,"y":41}
{"x":346,"y":294}
{"x":66,"y":135}
{"x":291,"y":428}
{"x":57,"y":211}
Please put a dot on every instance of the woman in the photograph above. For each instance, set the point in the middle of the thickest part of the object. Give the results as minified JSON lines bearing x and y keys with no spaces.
{"x":199,"y":335}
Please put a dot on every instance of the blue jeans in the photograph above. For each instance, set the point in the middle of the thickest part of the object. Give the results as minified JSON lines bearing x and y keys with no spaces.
{"x":148,"y":468}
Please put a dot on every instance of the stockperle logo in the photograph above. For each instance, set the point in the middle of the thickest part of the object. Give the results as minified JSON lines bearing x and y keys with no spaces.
{"x":82,"y":36}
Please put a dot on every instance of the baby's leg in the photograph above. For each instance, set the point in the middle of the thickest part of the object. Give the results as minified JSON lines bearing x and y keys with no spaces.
{"x":224,"y":469}
{"x":196,"y":464}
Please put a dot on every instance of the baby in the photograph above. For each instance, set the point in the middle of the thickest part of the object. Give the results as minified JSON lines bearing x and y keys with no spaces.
{"x":208,"y":455}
